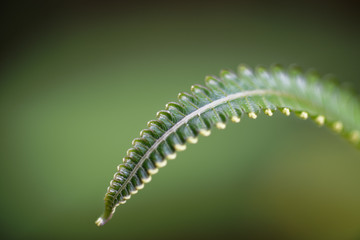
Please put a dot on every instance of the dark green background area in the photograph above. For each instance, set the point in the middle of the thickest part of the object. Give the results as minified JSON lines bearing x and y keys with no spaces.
{"x":79,"y":82}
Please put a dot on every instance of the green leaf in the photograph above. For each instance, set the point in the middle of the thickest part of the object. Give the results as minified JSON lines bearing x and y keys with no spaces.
{"x":230,"y":97}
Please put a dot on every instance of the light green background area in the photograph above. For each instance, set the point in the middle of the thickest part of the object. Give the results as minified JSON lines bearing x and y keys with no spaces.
{"x":75,"y":96}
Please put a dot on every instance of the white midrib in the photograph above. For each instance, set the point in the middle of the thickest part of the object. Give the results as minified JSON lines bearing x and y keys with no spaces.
{"x":186,"y":119}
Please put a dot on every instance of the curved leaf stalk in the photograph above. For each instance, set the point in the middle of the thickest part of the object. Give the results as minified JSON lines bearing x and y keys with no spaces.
{"x":230,"y":97}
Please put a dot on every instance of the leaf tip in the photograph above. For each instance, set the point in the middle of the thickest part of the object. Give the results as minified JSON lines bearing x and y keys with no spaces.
{"x":171,"y":156}
{"x":252,"y":115}
{"x":105,"y":217}
{"x":161,"y":164}
{"x":145,"y":180}
{"x":99,"y":222}
{"x":338,"y":126}
{"x":192,"y":140}
{"x":355,"y":137}
{"x":180,"y":147}
{"x":244,"y":70}
{"x":304,"y":115}
{"x":320,"y":120}
{"x":286,"y":111}
{"x":205,"y":132}
{"x":221,"y":125}
{"x":151,"y":172}
{"x":268,"y":112}
{"x":235,"y":119}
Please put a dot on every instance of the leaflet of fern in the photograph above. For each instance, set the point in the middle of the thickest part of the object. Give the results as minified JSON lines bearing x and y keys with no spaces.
{"x":230,"y":97}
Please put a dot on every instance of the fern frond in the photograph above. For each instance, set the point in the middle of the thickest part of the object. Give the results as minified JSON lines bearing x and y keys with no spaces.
{"x":230,"y":97}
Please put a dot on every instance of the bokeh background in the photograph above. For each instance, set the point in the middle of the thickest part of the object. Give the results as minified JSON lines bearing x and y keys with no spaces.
{"x":80,"y":80}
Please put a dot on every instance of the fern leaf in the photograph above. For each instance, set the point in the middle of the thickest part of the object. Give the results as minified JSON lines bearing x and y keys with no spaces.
{"x":230,"y":97}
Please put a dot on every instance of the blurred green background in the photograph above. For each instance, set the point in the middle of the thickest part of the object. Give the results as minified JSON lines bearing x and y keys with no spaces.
{"x":79,"y":82}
